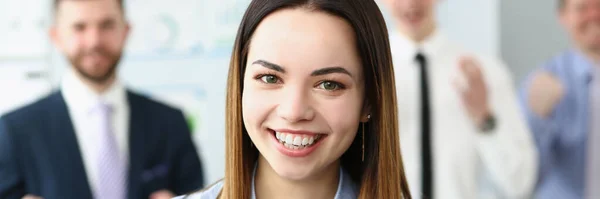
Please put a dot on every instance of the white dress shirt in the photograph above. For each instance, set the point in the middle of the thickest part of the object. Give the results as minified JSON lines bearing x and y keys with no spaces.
{"x":81,"y":100}
{"x":467,"y":163}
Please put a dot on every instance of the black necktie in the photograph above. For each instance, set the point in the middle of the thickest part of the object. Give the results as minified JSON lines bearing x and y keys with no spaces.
{"x":427,"y":173}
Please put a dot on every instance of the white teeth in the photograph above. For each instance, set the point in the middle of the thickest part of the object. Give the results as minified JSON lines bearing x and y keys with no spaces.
{"x":294,"y":141}
{"x":297,"y":141}
{"x":289,"y":139}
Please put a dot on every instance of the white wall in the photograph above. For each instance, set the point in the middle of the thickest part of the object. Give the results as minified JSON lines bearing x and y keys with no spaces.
{"x":473,"y":23}
{"x":531,"y":34}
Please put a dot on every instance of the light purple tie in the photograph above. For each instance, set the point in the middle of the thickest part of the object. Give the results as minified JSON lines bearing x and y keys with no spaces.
{"x":112,"y":173}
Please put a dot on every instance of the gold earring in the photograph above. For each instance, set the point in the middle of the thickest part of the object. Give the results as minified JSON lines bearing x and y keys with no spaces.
{"x":363,"y":142}
{"x":363,"y":137}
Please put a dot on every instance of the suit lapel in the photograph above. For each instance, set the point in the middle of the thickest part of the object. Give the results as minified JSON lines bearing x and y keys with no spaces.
{"x":68,"y":162}
{"x":136,"y":145}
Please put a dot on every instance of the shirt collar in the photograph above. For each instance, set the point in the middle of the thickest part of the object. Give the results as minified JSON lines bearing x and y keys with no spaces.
{"x":584,"y":67}
{"x":405,"y":49}
{"x":346,"y":188}
{"x":83,"y":99}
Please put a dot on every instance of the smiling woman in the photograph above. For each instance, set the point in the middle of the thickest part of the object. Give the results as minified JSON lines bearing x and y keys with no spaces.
{"x":311,"y":107}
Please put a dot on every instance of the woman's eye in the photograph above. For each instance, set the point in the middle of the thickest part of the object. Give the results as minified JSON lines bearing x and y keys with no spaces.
{"x":269,"y":79}
{"x":330,"y":86}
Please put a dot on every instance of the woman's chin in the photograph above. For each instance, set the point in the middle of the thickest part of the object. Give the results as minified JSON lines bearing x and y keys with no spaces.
{"x":294,"y":172}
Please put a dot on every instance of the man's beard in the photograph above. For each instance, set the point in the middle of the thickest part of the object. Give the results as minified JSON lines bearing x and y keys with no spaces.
{"x":113,"y":61}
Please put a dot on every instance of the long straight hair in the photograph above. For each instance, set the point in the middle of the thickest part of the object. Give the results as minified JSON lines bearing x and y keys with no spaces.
{"x":381,"y":174}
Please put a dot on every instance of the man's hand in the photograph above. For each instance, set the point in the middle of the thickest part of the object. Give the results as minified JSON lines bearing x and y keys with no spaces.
{"x":474,"y":93}
{"x":544,"y":92}
{"x":162,"y":194}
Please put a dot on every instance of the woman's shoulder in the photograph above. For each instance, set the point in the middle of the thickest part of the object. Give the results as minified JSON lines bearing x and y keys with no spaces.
{"x":211,"y":192}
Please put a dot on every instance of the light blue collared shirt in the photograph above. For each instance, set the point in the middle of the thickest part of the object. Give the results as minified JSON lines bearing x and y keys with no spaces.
{"x":346,"y":189}
{"x":561,"y":138}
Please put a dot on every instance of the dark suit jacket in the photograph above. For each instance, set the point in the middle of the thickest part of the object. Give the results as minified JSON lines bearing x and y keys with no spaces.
{"x":39,"y":153}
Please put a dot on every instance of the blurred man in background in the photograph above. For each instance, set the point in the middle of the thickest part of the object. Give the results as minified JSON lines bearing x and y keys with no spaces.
{"x":562,"y":102}
{"x":462,"y":134}
{"x":94,"y":138}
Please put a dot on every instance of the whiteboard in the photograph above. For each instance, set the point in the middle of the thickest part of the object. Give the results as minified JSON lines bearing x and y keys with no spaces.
{"x":24,"y":53}
{"x":23,"y":25}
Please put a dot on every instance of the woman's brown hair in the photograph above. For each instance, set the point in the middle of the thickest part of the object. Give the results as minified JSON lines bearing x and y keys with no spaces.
{"x":381,"y":175}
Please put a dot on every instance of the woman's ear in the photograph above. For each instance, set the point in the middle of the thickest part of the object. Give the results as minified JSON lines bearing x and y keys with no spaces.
{"x":366,"y":113}
{"x":365,"y":118}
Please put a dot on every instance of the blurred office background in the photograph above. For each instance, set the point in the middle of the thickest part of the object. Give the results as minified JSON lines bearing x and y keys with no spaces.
{"x":178,"y":52}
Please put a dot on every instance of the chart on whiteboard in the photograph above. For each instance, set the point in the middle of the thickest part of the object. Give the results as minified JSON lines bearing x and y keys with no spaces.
{"x":23,"y":26}
{"x":193,"y":36}
{"x":183,"y":28}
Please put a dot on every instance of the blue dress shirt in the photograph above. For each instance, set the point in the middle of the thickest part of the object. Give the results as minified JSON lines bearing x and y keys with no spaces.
{"x":561,"y":137}
{"x":346,"y":189}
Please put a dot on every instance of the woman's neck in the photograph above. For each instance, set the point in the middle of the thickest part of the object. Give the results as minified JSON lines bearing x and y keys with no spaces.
{"x":269,"y":184}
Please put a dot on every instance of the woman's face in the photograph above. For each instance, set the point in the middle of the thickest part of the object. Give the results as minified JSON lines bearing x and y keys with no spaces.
{"x":303,"y":91}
